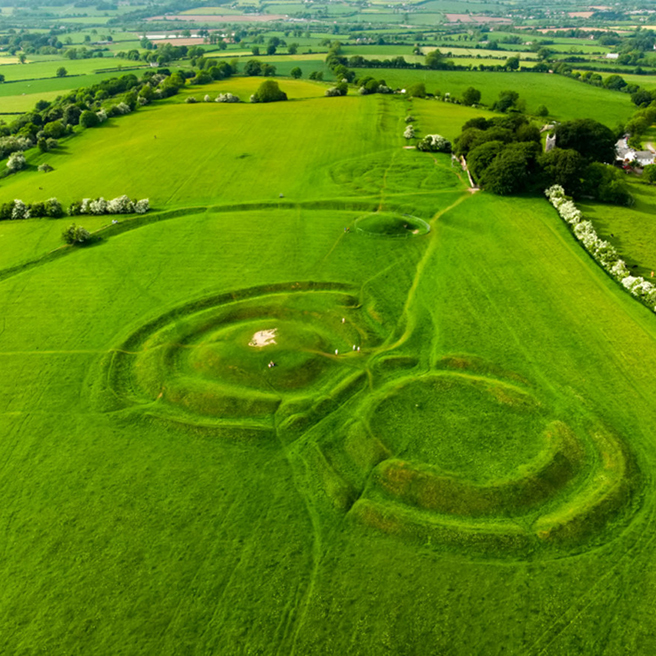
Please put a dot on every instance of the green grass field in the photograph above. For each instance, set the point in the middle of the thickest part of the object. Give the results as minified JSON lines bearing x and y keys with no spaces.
{"x":632,"y":230}
{"x":453,"y":453}
{"x":565,"y":98}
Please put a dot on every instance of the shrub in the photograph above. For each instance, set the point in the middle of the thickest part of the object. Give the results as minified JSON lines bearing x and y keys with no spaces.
{"x":119,"y":110}
{"x":20,"y":210}
{"x":16,"y":162}
{"x":434,"y":143}
{"x":202,"y":77}
{"x":471,"y":96}
{"x":120,"y":205}
{"x":98,"y":206}
{"x":45,"y":168}
{"x":269,"y":91}
{"x":409,"y":132}
{"x":53,"y":208}
{"x":227,"y":98}
{"x":190,"y":100}
{"x":207,"y":98}
{"x":76,"y":235}
{"x":649,"y":173}
{"x":54,"y":129}
{"x":417,"y":90}
{"x":142,"y":206}
{"x":9,"y":145}
{"x":602,"y":251}
{"x":74,"y":209}
{"x":5,"y":211}
{"x":37,"y":209}
{"x":340,"y":90}
{"x":89,"y":119}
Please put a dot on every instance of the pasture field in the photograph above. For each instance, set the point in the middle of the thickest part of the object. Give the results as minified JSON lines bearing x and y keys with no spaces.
{"x":632,"y":230}
{"x":565,"y":98}
{"x":55,"y":84}
{"x":453,"y":453}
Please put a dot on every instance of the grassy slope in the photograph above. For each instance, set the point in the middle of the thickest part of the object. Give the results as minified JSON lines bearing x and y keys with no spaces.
{"x":122,"y":533}
{"x":241,"y":148}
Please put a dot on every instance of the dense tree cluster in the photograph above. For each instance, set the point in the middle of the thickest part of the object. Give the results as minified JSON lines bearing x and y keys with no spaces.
{"x":255,"y":67}
{"x":504,"y":155}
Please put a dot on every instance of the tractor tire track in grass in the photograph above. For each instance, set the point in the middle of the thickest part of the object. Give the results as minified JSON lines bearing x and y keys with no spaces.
{"x":545,"y":642}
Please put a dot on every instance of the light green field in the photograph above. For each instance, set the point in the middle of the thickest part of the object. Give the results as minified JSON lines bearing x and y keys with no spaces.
{"x":24,"y":103}
{"x":45,"y":88}
{"x":453,"y":453}
{"x":48,"y":69}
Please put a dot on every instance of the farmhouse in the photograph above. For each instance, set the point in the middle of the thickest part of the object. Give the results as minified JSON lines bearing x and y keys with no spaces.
{"x":625,"y":154}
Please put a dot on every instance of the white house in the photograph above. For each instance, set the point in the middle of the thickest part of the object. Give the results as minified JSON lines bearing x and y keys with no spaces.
{"x":625,"y":154}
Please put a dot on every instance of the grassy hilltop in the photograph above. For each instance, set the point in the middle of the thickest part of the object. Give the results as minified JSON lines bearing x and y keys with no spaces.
{"x":451,"y":455}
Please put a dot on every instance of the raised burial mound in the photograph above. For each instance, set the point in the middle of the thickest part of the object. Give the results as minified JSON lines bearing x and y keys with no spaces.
{"x":240,"y":355}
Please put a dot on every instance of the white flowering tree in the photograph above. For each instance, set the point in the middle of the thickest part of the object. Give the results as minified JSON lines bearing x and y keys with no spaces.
{"x":13,"y":144}
{"x":228,"y":98}
{"x":409,"y":132}
{"x":142,"y":206}
{"x":20,"y":210}
{"x":120,"y":205}
{"x":434,"y":143}
{"x":98,"y":206}
{"x":16,"y":162}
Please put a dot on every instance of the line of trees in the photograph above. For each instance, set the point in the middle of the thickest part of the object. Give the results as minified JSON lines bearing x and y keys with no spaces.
{"x":52,"y":208}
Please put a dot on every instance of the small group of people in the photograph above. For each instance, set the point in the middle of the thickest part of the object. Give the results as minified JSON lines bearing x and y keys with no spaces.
{"x":271,"y":364}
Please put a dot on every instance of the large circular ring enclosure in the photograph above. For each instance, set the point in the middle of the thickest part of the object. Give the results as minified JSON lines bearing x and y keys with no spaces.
{"x":239,"y":356}
{"x":479,"y":465}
